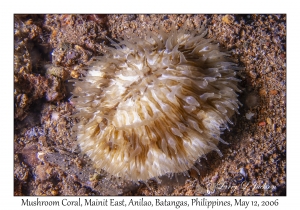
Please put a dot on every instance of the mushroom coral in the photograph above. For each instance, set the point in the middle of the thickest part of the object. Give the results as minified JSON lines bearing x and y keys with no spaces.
{"x":155,"y":104}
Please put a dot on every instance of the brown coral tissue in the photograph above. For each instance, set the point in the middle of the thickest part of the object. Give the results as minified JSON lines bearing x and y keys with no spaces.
{"x":155,"y":104}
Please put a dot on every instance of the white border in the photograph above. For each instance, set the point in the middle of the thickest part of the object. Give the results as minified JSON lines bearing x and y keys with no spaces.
{"x":8,"y":8}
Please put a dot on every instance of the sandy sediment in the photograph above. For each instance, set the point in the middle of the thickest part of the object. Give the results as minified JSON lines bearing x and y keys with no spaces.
{"x":51,"y":49}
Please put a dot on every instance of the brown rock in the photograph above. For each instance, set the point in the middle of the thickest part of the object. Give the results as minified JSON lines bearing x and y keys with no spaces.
{"x":273,"y":92}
